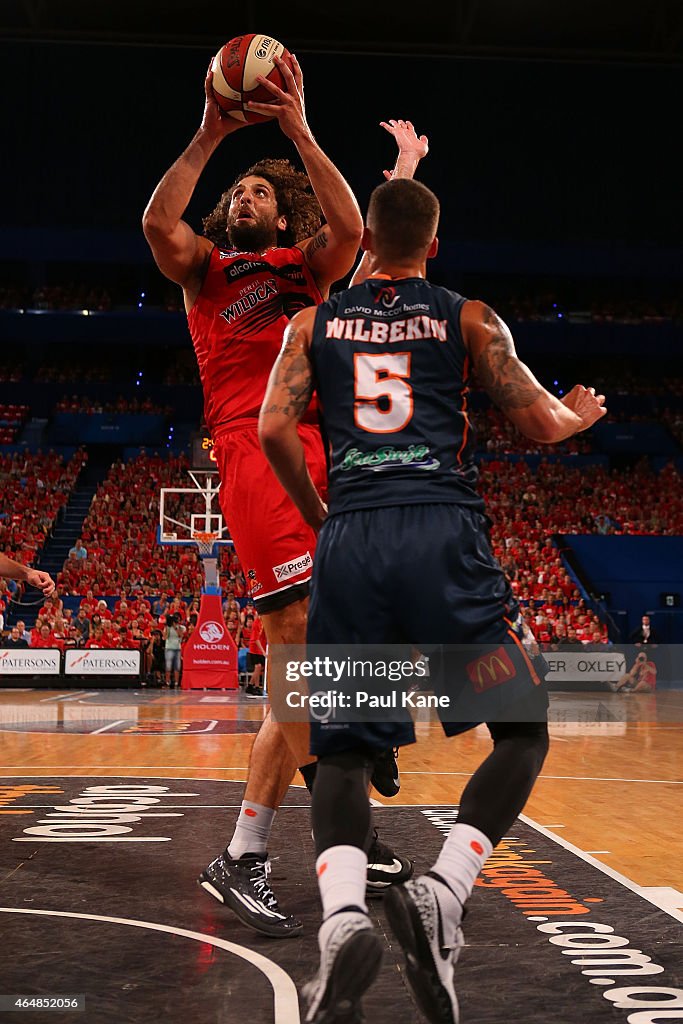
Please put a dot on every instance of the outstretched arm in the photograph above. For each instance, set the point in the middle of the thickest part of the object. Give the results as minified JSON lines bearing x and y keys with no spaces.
{"x":411,"y":149}
{"x":331,"y":251}
{"x":181,"y":254}
{"x":513,"y":387}
{"x":12,"y":570}
{"x":287,"y":396}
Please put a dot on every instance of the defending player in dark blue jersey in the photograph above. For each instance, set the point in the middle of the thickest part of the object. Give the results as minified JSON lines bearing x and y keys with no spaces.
{"x":375,"y":347}
{"x":391,"y":361}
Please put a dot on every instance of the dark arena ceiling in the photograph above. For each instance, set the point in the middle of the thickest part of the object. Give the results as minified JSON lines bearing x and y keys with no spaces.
{"x":628,"y":31}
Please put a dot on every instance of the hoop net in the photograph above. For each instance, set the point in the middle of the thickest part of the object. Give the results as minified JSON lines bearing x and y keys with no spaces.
{"x":205,"y":541}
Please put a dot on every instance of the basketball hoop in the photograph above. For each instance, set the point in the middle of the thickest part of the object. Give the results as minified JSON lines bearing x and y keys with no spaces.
{"x":205,"y":541}
{"x":187,"y":516}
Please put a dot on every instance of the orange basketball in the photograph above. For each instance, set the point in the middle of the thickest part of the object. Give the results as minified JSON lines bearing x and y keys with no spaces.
{"x":235,"y":68}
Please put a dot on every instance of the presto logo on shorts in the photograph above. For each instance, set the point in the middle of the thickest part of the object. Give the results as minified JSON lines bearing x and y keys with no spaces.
{"x":293,"y":568}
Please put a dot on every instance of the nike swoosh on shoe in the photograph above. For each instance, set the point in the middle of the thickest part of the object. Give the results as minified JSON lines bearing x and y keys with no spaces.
{"x":392,"y":869}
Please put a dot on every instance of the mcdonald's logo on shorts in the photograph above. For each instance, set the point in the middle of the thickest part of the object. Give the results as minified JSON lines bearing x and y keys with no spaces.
{"x":490,"y":669}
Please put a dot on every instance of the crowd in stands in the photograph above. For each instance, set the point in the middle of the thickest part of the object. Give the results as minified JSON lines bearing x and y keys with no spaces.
{"x":11,"y":373}
{"x":100,"y":371}
{"x":550,"y":305}
{"x":33,"y":490}
{"x":55,"y":297}
{"x":128,"y":623}
{"x":119,"y":536}
{"x":598,"y":304}
{"x":529,"y":508}
{"x":118,"y":553}
{"x":558,"y":498}
{"x":12,"y":418}
{"x":82,"y":404}
{"x":117,"y":556}
{"x":13,"y":296}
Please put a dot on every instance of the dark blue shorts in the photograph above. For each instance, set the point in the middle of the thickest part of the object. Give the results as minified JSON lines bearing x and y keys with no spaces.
{"x":423,"y":576}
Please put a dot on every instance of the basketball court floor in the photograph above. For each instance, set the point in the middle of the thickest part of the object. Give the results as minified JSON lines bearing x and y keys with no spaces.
{"x":112,"y":801}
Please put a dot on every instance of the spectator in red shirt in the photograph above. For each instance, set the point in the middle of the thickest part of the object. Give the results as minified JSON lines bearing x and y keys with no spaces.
{"x":642,"y":677}
{"x":45,"y":638}
{"x":256,"y":659}
{"x":97,"y":639}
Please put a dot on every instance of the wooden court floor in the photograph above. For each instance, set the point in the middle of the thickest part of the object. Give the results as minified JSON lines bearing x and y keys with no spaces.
{"x":612,"y":788}
{"x":113,"y":801}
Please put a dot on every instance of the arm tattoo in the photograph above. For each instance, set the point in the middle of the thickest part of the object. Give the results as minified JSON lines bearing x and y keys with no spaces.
{"x":319,"y":242}
{"x":500,"y":372}
{"x":293,"y":379}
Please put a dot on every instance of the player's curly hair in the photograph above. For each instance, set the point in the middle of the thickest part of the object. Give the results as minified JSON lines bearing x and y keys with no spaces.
{"x":295,"y":200}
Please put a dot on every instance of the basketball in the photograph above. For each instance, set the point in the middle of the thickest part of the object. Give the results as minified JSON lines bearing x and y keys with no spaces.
{"x":235,"y":68}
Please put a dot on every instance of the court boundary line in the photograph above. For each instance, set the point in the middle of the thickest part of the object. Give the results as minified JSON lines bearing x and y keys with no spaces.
{"x":644,"y":891}
{"x":285,"y":997}
{"x":628,"y":883}
{"x":639,"y":890}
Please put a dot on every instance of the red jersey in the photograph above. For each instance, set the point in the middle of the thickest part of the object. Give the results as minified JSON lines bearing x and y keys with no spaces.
{"x":255,"y":641}
{"x":237,"y":323}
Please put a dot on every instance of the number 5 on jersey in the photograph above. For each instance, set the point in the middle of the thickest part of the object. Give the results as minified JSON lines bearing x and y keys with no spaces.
{"x":382,"y":376}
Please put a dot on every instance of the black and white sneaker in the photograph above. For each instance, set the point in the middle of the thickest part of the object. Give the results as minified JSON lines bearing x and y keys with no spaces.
{"x":349,"y":963}
{"x":242,"y":885}
{"x":385,"y":868}
{"x":385,"y":775}
{"x":415,"y":917}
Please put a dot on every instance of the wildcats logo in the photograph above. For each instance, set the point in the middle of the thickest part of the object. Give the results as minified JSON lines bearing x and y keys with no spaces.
{"x":263,"y":291}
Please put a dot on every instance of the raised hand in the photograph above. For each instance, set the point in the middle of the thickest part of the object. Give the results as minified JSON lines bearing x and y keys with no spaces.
{"x":215,"y":123}
{"x":288,"y":104}
{"x":411,"y":147}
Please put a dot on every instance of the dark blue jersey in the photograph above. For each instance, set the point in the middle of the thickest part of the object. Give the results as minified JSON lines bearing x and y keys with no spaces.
{"x":391,"y":372}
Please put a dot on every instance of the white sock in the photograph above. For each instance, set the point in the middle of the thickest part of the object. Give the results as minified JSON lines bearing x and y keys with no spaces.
{"x":342,"y":874}
{"x":252,"y":830}
{"x":462,"y":857}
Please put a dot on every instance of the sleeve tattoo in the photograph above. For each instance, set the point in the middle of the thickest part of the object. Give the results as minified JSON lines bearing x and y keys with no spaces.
{"x":500,"y":372}
{"x":293,"y":379}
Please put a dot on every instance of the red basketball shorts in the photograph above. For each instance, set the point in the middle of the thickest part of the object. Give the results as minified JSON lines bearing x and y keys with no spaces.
{"x":273,"y":543}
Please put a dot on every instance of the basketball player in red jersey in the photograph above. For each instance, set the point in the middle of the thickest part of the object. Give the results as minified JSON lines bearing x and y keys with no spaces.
{"x":264,"y":256}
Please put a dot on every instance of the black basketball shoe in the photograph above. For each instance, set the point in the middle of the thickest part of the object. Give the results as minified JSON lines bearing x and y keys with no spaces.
{"x":242,"y":885}
{"x":385,"y":868}
{"x":385,"y":775}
